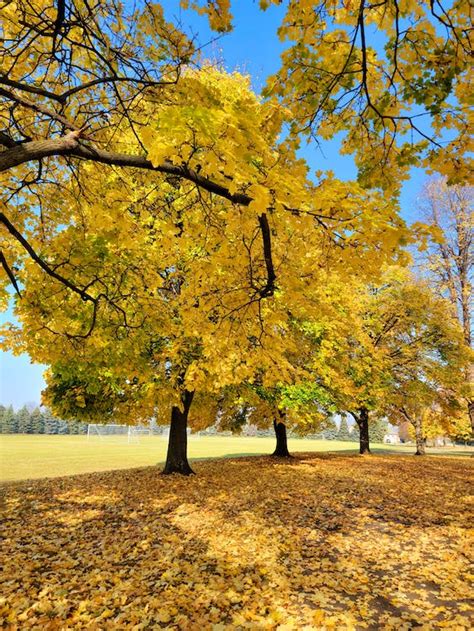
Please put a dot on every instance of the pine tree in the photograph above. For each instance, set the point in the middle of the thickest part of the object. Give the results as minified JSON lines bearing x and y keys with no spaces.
{"x":10,"y":425}
{"x":63,"y":427}
{"x":330,"y":433}
{"x":23,"y":420}
{"x":50,"y":423}
{"x":37,"y":422}
{"x":377,"y":429}
{"x":344,"y":433}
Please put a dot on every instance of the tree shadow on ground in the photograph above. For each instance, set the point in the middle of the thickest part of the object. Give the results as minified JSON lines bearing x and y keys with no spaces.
{"x":321,"y":539}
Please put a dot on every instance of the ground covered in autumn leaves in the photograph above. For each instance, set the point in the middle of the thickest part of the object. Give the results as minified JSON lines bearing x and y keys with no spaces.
{"x":321,"y":542}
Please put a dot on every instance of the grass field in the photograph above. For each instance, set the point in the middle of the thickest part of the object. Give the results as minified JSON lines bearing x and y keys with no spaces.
{"x":25,"y":457}
{"x":321,"y":542}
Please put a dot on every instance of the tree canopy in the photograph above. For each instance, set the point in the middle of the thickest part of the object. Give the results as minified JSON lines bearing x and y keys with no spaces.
{"x":163,"y":236}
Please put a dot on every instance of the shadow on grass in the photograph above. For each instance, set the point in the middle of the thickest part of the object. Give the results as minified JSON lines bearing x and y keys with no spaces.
{"x":317,"y":535}
{"x":410,"y":451}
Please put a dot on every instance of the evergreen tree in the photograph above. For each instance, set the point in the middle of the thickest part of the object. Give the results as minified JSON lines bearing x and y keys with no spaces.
{"x":37,"y":422}
{"x":330,"y":433}
{"x":344,"y":433}
{"x":23,"y":421}
{"x":50,"y":423}
{"x":10,"y":425}
{"x":377,"y":429}
{"x":63,"y":427}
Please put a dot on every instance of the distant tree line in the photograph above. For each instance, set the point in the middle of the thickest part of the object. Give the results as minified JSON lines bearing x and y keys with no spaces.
{"x":378,"y":431}
{"x":36,"y":421}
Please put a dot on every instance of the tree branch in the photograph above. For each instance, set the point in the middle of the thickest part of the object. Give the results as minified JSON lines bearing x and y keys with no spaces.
{"x":269,"y":288}
{"x":37,"y":149}
{"x":69,"y":145}
{"x":10,"y":274}
{"x":42,"y":263}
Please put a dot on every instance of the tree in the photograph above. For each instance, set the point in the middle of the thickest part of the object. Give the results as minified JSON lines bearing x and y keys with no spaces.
{"x":378,"y":429}
{"x":395,"y":104}
{"x":178,"y":286}
{"x":330,"y":433}
{"x":37,"y":422}
{"x":344,"y":433}
{"x":404,"y":431}
{"x":9,"y":421}
{"x":95,"y":92}
{"x":89,"y":94}
{"x":23,"y":421}
{"x":3,"y":411}
{"x":50,"y":422}
{"x":398,"y":337}
{"x":429,"y":359}
{"x":251,"y":403}
{"x":449,"y":258}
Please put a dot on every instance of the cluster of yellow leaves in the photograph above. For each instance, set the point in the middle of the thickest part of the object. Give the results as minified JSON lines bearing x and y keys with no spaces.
{"x":365,"y":69}
{"x":321,"y":542}
{"x":180,"y":270}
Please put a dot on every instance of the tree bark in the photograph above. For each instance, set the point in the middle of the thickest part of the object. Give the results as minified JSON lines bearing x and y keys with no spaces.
{"x":177,"y":456}
{"x":279,"y":426}
{"x":470,"y":410}
{"x":420,"y":439}
{"x":363,"y":422}
{"x":470,"y":401}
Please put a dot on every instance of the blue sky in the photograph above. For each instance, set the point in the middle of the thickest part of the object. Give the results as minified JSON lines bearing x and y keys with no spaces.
{"x":253,"y":47}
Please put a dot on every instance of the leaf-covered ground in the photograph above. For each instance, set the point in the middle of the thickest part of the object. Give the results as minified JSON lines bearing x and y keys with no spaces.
{"x":322,"y":542}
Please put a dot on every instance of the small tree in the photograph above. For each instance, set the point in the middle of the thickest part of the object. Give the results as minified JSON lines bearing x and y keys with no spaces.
{"x":10,"y":421}
{"x":37,"y":422}
{"x":331,"y":432}
{"x":23,"y":421}
{"x":344,"y":433}
{"x":449,"y":257}
{"x":378,"y":429}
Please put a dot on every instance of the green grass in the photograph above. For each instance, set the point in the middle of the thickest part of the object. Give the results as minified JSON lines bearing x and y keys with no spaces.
{"x":25,"y":457}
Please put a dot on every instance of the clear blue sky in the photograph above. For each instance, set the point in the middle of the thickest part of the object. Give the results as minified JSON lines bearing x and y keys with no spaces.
{"x":253,"y":48}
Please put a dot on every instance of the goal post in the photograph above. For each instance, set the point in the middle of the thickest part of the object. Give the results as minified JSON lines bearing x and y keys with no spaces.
{"x":114,"y":432}
{"x":130,"y":434}
{"x":135,"y":433}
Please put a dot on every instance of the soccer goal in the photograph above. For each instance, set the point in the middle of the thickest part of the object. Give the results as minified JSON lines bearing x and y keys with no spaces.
{"x":115,"y":433}
{"x":135,"y":433}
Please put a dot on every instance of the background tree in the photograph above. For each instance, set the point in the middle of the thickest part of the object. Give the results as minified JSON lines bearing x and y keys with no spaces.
{"x":330,"y":433}
{"x":449,"y":259}
{"x":344,"y":433}
{"x":378,"y":429}
{"x":427,"y":380}
{"x":404,"y":431}
{"x":9,"y":421}
{"x":37,"y":421}
{"x":396,"y":331}
{"x":23,"y":420}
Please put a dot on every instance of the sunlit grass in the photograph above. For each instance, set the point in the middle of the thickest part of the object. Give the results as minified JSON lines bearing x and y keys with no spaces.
{"x":32,"y":456}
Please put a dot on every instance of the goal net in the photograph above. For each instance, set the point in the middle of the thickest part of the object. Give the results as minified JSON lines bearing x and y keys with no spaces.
{"x":114,"y":433}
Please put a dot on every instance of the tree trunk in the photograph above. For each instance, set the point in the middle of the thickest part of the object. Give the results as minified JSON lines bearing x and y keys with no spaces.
{"x":420,"y":439}
{"x":279,"y":426}
{"x":470,"y":410}
{"x":363,"y":422}
{"x":177,"y":456}
{"x":470,"y":401}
